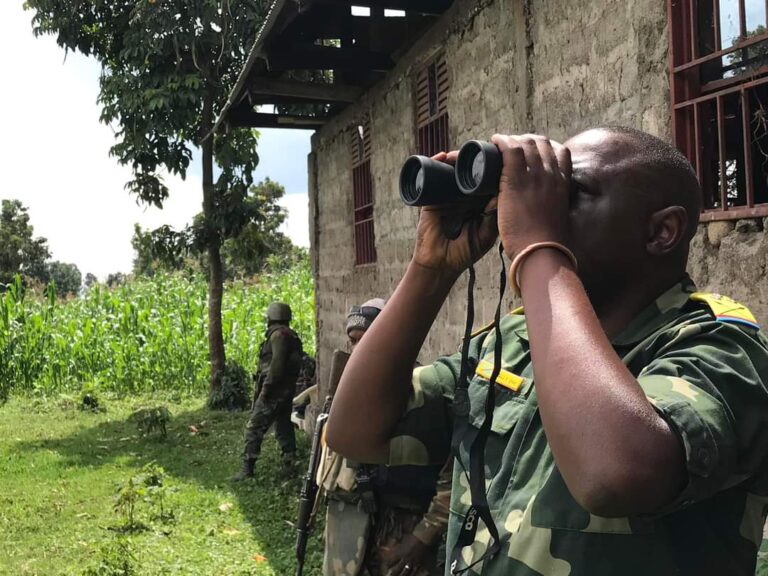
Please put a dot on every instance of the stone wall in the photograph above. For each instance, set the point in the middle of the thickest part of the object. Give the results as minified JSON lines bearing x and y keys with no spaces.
{"x":732,"y":258}
{"x":515,"y":65}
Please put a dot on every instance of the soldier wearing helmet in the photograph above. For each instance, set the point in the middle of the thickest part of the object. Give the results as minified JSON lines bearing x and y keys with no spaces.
{"x":279,"y":365}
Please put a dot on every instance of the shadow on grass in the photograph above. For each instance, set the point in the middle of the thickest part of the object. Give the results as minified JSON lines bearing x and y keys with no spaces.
{"x":204,"y":447}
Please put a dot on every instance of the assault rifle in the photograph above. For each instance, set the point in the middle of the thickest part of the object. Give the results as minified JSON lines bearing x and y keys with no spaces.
{"x":310,"y":489}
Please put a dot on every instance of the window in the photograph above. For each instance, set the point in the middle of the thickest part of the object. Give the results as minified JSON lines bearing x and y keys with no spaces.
{"x":362,"y":191}
{"x":432,"y":108}
{"x":719,"y":81}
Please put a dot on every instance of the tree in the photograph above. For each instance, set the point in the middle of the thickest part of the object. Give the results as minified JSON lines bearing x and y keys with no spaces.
{"x":166,"y":69}
{"x":243,"y":255}
{"x":67,"y":277}
{"x":247,"y":253}
{"x":116,"y":279}
{"x":160,"y":249}
{"x":20,"y":252}
{"x":90,"y":280}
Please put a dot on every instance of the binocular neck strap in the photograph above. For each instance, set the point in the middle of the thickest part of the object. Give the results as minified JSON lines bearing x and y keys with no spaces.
{"x":479,"y":508}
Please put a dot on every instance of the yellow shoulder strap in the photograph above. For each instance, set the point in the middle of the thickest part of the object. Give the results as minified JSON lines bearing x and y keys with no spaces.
{"x":726,"y":309}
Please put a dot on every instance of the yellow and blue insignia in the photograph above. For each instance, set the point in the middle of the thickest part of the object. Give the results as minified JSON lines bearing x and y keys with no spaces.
{"x":505,"y":378}
{"x":726,"y":310}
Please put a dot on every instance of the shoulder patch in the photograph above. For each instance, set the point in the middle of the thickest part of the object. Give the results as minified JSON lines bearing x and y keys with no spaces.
{"x":725,"y":309}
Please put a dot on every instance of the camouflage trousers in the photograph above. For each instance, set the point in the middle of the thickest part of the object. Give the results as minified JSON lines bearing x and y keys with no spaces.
{"x":354,"y":546}
{"x":267,"y":411}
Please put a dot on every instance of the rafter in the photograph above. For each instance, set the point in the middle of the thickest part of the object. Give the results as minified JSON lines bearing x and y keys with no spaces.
{"x":311,"y":57}
{"x":245,"y":117}
{"x":314,"y":92}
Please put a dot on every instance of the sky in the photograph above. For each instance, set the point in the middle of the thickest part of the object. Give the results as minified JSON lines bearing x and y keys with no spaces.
{"x":54,"y":157}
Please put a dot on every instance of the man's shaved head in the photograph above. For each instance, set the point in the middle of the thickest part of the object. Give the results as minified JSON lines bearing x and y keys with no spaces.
{"x":634,"y":208}
{"x":663,"y":171}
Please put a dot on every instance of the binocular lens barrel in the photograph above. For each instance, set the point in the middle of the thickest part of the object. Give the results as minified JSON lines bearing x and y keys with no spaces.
{"x":478,"y":168}
{"x":425,"y":182}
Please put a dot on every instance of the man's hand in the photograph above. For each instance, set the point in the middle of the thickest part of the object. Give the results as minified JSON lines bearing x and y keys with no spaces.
{"x":533,"y":191}
{"x":406,"y":557}
{"x":451,"y":257}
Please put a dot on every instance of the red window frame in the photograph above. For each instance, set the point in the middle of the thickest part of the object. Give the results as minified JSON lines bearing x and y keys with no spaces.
{"x":432,"y":83}
{"x":362,"y":193}
{"x":717,"y":105}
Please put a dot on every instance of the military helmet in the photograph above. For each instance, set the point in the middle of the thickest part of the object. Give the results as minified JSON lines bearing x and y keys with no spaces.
{"x":278,"y":312}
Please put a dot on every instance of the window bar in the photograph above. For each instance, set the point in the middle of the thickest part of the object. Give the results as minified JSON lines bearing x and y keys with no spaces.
{"x":743,"y":28}
{"x":697,"y":140}
{"x":358,"y":195}
{"x":445,"y":132}
{"x":745,"y":115}
{"x":742,"y":20}
{"x":357,"y":245}
{"x":716,"y":21}
{"x":369,"y":186}
{"x":433,"y":138}
{"x":693,"y":18}
{"x":721,"y":153}
{"x":361,"y":243}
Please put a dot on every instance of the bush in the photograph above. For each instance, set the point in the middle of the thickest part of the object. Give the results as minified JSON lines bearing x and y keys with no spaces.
{"x":116,"y":558}
{"x":235,"y":391}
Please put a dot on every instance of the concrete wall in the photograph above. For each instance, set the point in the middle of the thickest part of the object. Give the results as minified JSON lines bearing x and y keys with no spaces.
{"x":515,"y":65}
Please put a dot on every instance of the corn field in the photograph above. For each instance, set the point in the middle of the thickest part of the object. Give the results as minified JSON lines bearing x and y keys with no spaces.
{"x":147,"y":335}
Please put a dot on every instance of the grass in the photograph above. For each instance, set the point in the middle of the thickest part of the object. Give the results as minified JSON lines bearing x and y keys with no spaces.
{"x":60,"y":469}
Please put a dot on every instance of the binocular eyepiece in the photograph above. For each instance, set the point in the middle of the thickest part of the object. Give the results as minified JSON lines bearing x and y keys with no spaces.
{"x":425,"y":182}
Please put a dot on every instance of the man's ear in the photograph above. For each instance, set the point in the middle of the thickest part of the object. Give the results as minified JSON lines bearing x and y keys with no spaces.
{"x":666,"y":230}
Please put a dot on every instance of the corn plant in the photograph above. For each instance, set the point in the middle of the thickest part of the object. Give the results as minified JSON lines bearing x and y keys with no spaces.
{"x":147,"y":335}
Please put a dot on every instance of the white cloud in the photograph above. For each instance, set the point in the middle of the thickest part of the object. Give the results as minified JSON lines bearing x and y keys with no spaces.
{"x":296,"y":227}
{"x":54,"y":157}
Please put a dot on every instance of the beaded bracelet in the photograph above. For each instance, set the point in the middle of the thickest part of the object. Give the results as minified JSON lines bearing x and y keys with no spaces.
{"x":514,"y":268}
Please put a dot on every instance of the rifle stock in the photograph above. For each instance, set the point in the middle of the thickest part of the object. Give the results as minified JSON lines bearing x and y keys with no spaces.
{"x":308,"y":495}
{"x":310,"y":488}
{"x":338,"y":363}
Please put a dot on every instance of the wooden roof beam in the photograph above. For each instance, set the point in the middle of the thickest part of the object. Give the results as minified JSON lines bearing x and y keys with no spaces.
{"x":312,"y":57}
{"x":429,"y":7}
{"x":251,"y":119}
{"x":314,"y":92}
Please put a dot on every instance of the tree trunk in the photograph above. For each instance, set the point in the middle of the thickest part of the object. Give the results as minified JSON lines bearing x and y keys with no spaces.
{"x":216,"y":271}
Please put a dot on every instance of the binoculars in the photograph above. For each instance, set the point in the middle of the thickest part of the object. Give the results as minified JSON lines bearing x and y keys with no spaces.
{"x":475,"y":178}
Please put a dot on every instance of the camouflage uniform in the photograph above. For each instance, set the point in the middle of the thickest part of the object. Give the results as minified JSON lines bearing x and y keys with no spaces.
{"x":357,"y":542}
{"x":703,"y":365}
{"x":279,"y":365}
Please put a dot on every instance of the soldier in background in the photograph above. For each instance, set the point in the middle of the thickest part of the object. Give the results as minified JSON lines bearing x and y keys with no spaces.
{"x":280,"y":360}
{"x":381,"y":520}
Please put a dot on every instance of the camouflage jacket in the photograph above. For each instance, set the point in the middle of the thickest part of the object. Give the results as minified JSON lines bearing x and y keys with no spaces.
{"x":280,"y":359}
{"x":702,"y":364}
